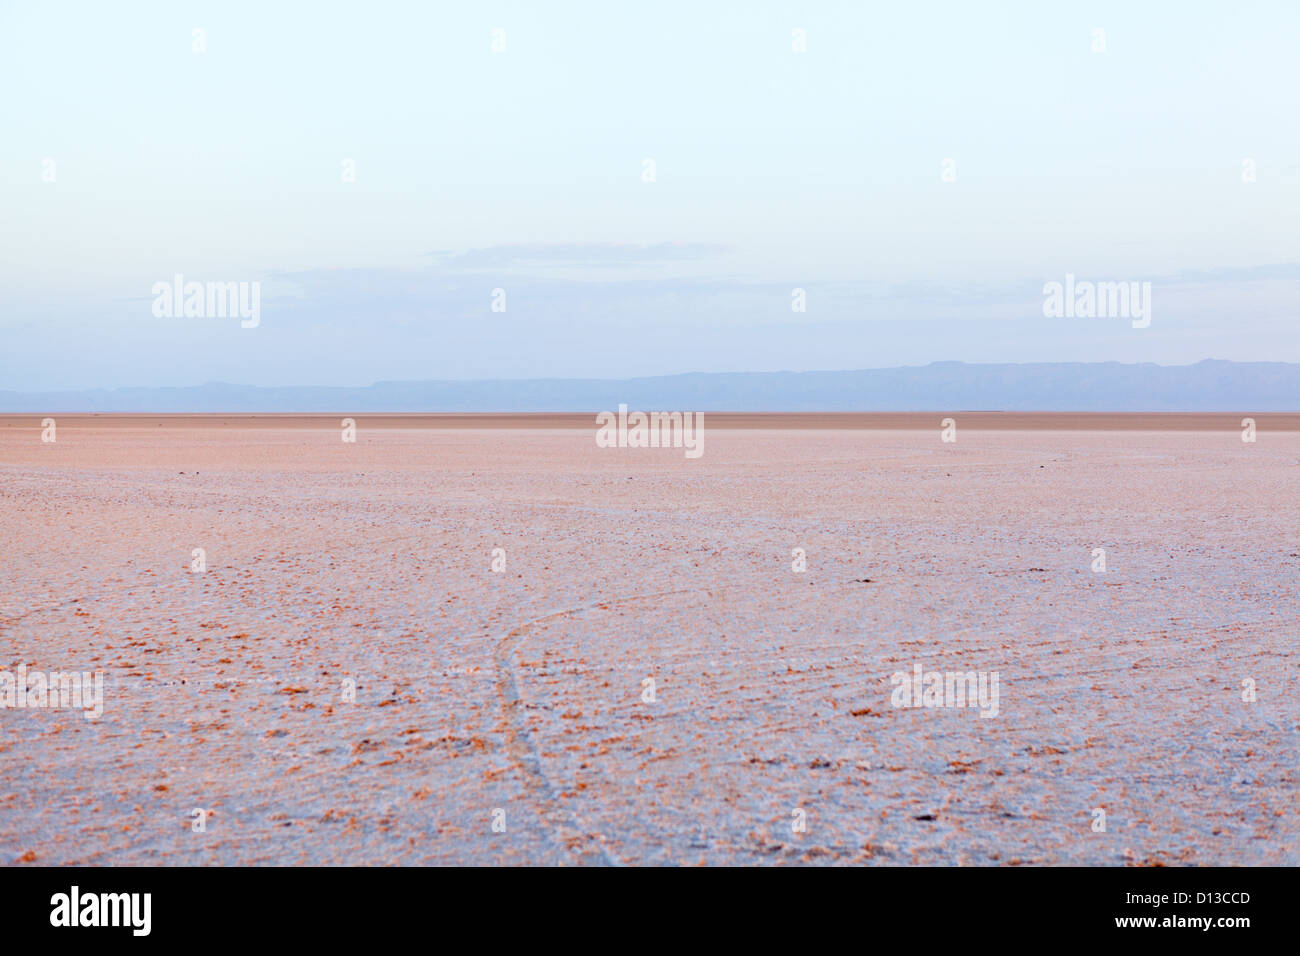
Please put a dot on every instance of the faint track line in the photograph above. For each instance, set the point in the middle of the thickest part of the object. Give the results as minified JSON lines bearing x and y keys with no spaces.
{"x":519,"y":739}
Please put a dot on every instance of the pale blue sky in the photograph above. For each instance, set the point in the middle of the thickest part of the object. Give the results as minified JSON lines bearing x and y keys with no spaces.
{"x":522,"y":170}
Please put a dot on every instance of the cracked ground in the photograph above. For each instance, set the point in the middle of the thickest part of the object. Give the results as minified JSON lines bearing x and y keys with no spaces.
{"x":523,"y":690}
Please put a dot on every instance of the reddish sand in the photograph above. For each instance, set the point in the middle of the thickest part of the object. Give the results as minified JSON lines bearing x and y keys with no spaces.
{"x":521,"y":691}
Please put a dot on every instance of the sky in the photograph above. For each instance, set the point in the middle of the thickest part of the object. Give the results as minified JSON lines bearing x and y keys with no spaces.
{"x":379,"y":170}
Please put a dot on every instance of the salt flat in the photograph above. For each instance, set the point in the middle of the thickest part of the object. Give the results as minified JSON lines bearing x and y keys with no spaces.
{"x":522,"y":690}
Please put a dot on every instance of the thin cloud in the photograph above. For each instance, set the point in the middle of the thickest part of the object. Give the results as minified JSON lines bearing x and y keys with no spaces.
{"x":582,"y":254}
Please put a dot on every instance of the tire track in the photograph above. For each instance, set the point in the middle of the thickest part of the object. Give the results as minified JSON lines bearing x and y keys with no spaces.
{"x":588,"y":845}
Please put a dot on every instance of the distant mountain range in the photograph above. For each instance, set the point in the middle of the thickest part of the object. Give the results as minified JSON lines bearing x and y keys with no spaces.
{"x":1208,"y":386}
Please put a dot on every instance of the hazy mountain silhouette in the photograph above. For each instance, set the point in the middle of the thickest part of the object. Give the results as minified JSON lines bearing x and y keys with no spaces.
{"x":942,"y":386}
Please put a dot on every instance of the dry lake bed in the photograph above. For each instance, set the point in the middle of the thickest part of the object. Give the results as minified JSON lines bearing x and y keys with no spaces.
{"x":489,"y":641}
